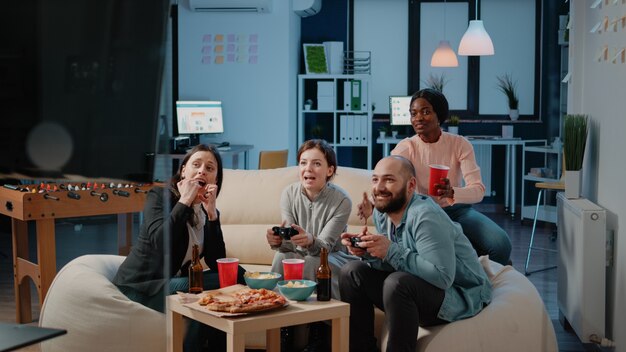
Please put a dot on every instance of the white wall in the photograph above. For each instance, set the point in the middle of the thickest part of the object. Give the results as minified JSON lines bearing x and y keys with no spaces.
{"x":597,"y":89}
{"x":259,"y":99}
{"x":382,"y":28}
{"x":513,"y":37}
{"x":431,"y":32}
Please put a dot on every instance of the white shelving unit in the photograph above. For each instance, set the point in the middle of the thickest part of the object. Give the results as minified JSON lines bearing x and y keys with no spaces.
{"x":342,"y":121}
{"x":547,"y":212}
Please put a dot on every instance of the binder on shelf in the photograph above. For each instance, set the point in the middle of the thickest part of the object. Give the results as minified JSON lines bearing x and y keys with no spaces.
{"x":364,"y":94}
{"x":349,"y":130}
{"x":347,"y":95}
{"x":355,"y":95}
{"x":364,"y":129}
{"x":343,"y":129}
{"x":356,"y":128}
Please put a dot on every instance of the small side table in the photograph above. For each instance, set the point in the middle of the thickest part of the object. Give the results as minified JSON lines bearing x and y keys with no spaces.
{"x":295,"y":313}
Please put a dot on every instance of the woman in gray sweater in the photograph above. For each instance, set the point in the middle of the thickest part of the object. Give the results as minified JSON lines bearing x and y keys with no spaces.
{"x":318,"y":210}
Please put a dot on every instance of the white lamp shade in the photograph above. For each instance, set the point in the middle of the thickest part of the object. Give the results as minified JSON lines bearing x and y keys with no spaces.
{"x":476,"y":40}
{"x":444,"y":56}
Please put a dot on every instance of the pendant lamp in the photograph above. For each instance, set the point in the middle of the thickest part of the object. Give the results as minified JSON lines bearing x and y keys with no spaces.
{"x":476,"y":40}
{"x":444,"y":56}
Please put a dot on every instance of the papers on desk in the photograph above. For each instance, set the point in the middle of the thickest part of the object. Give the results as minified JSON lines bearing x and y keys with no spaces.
{"x":353,"y":129}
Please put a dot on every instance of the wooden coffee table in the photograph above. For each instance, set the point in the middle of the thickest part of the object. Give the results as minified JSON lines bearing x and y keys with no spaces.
{"x":236,"y":328}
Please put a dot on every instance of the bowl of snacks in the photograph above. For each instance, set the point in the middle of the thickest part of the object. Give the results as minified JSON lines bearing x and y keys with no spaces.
{"x":263,"y":279}
{"x":296,"y":290}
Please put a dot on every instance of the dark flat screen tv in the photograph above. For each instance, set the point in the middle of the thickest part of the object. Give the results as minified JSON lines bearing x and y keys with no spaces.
{"x":80,"y":84}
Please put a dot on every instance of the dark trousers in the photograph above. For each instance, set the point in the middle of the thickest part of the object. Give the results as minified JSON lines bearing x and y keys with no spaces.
{"x":408,"y":302}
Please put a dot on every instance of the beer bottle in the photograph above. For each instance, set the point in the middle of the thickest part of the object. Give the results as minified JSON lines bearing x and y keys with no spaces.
{"x":323,"y":277}
{"x":195,"y":271}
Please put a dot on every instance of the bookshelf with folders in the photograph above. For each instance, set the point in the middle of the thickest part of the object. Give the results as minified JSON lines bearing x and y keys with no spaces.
{"x":337,"y":108}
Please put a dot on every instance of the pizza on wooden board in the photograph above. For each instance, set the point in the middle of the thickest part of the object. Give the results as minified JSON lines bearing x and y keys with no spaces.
{"x":244,"y":301}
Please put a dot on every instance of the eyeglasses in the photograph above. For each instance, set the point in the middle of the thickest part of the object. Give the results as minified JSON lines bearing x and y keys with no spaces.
{"x":425,"y":112}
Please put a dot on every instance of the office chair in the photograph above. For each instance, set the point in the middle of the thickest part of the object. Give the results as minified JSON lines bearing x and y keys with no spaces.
{"x":273,"y":159}
{"x":543,"y":186}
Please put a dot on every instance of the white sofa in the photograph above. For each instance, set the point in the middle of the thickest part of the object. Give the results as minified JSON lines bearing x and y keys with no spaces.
{"x":516,"y":320}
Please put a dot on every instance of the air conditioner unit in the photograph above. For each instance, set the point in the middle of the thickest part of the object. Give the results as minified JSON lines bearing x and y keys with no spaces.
{"x":264,"y":6}
{"x":306,"y":8}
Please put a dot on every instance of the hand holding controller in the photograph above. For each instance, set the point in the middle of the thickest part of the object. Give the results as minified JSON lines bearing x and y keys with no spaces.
{"x":284,"y":232}
{"x":354,"y":241}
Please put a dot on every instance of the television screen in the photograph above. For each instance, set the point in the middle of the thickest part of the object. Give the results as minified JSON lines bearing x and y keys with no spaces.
{"x":199,"y":117}
{"x":399,"y":107}
{"x":80,"y":83}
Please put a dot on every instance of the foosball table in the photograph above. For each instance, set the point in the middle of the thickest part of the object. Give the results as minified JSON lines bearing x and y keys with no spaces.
{"x":46,"y":202}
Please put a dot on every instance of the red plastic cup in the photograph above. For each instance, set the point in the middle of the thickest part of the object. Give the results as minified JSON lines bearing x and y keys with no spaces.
{"x":293,"y":269}
{"x":227,"y":269}
{"x":437,"y":172}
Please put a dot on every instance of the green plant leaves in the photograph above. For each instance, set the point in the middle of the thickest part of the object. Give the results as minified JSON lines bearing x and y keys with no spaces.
{"x":574,"y":140}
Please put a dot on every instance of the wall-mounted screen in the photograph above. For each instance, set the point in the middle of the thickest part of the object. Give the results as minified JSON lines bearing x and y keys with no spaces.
{"x":199,"y":117}
{"x":399,"y":110}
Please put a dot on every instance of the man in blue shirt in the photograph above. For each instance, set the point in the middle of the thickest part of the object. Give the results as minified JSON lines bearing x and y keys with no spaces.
{"x":420,"y":269}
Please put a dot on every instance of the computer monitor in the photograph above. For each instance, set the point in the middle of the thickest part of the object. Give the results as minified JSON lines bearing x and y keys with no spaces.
{"x":199,"y":117}
{"x":399,"y":107}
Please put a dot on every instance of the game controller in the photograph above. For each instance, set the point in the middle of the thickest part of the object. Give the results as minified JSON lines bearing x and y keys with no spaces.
{"x":284,"y":232}
{"x":354,"y":241}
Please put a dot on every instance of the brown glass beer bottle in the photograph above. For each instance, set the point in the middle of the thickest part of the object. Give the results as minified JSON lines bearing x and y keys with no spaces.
{"x":323,"y":277}
{"x":195,"y":271}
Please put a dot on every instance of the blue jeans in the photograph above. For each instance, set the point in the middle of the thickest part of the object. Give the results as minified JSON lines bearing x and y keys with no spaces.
{"x":486,"y":236}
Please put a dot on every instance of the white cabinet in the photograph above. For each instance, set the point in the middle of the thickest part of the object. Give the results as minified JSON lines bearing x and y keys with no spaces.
{"x":540,"y":163}
{"x":338,"y":109}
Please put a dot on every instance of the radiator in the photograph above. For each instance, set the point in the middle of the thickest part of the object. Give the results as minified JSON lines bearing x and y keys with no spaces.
{"x":483,"y":159}
{"x":581,"y":266}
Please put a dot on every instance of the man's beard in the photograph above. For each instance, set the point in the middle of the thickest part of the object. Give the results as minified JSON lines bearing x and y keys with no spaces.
{"x":395,"y":203}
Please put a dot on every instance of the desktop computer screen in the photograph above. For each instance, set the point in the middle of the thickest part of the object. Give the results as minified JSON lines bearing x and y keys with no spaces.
{"x":199,"y":117}
{"x":399,"y":107}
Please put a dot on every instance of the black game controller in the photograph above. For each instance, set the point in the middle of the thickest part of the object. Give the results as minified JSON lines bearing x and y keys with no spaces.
{"x":354,"y":241}
{"x":284,"y":232}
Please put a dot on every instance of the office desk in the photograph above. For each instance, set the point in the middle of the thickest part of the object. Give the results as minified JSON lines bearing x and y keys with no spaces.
{"x":233,"y":152}
{"x":511,"y":156}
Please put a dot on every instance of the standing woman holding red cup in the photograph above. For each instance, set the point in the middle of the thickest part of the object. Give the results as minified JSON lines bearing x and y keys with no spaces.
{"x":430,"y":145}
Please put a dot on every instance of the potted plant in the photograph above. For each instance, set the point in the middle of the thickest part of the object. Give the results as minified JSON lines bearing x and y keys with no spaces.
{"x":436,"y":82}
{"x":308,"y":104}
{"x":394,"y":131}
{"x":508,"y":86}
{"x":383,"y":130}
{"x":575,"y":130}
{"x":453,"y":124}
